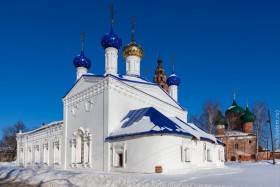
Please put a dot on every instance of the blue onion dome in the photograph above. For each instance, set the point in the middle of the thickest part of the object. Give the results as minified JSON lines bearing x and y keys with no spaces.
{"x":173,"y":80}
{"x":111,"y":40}
{"x":82,"y":61}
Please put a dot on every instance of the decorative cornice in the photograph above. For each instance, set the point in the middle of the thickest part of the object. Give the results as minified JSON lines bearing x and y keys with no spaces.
{"x":47,"y":132}
{"x":122,"y":88}
{"x":87,"y":93}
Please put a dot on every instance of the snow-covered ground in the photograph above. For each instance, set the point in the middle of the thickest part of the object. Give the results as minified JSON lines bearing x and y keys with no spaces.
{"x":233,"y":174}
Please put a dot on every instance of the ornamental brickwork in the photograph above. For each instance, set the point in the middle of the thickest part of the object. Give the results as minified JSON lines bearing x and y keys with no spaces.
{"x":160,"y":77}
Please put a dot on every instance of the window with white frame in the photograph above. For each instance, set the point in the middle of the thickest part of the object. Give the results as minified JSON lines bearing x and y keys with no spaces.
{"x":56,"y":152}
{"x":37,"y":152}
{"x":187,"y":154}
{"x":81,"y":148}
{"x":209,"y":155}
{"x":46,"y":152}
{"x":21,"y":155}
{"x":118,"y":155}
{"x":204,"y":152}
{"x":222,"y":155}
{"x":29,"y":155}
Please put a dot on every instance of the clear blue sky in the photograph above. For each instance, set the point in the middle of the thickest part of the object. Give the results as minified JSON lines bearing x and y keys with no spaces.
{"x":219,"y":47}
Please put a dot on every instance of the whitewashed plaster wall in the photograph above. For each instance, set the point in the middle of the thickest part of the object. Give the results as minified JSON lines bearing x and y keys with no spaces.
{"x":144,"y":153}
{"x":46,"y":135}
{"x":88,"y":114}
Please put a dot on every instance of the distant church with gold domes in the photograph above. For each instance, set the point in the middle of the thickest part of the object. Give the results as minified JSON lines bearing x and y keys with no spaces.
{"x":120,"y":122}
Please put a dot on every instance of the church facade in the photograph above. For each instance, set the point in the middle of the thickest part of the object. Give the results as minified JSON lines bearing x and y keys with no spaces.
{"x":122,"y":123}
{"x":235,"y":129}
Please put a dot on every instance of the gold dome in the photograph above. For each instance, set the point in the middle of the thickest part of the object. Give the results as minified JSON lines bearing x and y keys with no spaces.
{"x":133,"y":49}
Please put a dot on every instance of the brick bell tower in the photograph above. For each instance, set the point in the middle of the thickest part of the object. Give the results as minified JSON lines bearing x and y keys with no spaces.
{"x":160,"y":77}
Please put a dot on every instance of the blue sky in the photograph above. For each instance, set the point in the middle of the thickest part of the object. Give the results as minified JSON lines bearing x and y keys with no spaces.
{"x":219,"y":47}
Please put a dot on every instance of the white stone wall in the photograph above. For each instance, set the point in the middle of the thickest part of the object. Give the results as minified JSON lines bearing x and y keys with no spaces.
{"x":36,"y":149}
{"x":132,"y":65}
{"x":98,"y":109}
{"x":144,"y":153}
{"x":86,"y":115}
{"x":173,"y":91}
{"x":111,"y":60}
{"x":123,"y":98}
{"x":92,"y":109}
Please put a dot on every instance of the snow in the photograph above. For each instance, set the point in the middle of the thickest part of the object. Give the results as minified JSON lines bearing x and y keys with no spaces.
{"x":133,"y":78}
{"x":150,"y":121}
{"x":234,"y":174}
{"x":231,"y":107}
{"x":233,"y":133}
{"x":44,"y":126}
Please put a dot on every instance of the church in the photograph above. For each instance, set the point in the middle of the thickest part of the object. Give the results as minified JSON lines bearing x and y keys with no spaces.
{"x":120,"y":122}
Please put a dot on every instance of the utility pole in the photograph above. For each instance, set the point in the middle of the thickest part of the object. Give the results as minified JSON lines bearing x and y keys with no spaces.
{"x":267,"y":149}
{"x":271,"y":135}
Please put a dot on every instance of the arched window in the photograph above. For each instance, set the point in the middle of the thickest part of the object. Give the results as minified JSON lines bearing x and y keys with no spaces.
{"x":81,"y":148}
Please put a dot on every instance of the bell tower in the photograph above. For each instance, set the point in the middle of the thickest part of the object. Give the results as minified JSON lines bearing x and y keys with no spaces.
{"x":160,"y":77}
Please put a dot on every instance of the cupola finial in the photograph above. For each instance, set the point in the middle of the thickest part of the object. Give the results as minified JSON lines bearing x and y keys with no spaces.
{"x":132,"y":28}
{"x":83,"y":40}
{"x":147,"y":72}
{"x":172,"y":60}
{"x":112,"y":10}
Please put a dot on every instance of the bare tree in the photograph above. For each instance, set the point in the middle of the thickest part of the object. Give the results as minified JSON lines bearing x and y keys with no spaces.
{"x":207,"y":119}
{"x":9,"y":137}
{"x":261,"y":127}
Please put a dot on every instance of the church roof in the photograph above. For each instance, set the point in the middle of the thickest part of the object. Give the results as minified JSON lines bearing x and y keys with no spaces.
{"x":43,"y":127}
{"x":149,"y":121}
{"x":129,"y":78}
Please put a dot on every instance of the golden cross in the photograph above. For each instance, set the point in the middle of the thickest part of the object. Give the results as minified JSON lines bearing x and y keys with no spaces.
{"x":83,"y":40}
{"x":112,"y":10}
{"x":132,"y":28}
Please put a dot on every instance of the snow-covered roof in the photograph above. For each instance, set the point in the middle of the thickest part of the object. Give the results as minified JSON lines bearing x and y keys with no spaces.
{"x":149,"y":121}
{"x":231,"y":107}
{"x":42,"y":127}
{"x":132,"y":79}
{"x":233,"y":133}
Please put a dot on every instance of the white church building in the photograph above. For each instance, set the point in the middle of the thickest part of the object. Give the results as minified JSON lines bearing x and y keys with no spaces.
{"x":122,"y":123}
